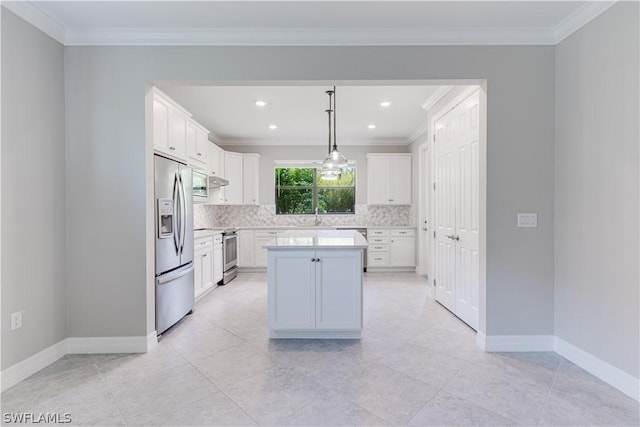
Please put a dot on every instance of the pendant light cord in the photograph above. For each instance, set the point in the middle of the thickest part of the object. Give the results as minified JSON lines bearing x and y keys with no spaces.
{"x":335,"y":145}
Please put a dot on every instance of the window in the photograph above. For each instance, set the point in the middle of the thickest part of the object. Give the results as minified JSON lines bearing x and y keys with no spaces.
{"x":300,"y":190}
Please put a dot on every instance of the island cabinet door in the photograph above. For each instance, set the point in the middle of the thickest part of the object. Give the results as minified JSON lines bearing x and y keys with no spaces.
{"x":291,"y":296}
{"x":338,"y":290}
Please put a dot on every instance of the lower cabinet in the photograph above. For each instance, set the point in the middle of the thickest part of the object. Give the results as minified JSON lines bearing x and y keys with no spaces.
{"x":262,"y":237}
{"x":391,"y":248}
{"x":203,"y":265}
{"x":218,"y":260}
{"x":315,"y":290}
{"x":245,"y":248}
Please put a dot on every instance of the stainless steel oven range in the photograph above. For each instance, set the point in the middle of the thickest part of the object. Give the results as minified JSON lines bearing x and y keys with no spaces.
{"x":229,"y":254}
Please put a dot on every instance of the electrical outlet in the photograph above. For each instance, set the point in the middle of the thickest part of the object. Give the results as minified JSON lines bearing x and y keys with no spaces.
{"x":16,"y":320}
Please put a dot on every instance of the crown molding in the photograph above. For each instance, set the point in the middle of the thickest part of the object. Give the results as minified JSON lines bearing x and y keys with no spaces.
{"x":36,"y":17}
{"x":312,"y":143}
{"x":308,"y":37}
{"x":437,"y":96}
{"x":430,"y":102}
{"x":31,"y":13}
{"x":580,"y":17}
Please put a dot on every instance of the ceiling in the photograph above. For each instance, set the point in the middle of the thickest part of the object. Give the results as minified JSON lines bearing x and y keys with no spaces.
{"x":267,"y":22}
{"x":299,"y":113}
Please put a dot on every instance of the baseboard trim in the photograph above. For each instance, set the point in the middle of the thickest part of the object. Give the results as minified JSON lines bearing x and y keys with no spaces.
{"x":152,"y":340}
{"x":91,"y":345}
{"x":515,"y":343}
{"x":21,"y":370}
{"x":608,"y":373}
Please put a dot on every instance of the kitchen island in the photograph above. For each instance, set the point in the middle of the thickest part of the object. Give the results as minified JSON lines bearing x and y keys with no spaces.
{"x":315,"y":284}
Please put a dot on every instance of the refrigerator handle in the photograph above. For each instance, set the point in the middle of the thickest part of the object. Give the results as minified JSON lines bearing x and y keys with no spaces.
{"x":170,"y":277}
{"x":176,"y":220}
{"x":183,"y":213}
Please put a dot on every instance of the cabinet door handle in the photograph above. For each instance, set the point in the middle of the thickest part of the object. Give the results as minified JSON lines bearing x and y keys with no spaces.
{"x":204,"y":255}
{"x":199,"y":154}
{"x":172,"y":148}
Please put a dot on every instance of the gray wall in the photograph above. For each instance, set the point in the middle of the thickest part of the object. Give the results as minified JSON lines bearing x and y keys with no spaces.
{"x":33,"y":190}
{"x":269,"y":154}
{"x":596,"y":237}
{"x":108,"y":285}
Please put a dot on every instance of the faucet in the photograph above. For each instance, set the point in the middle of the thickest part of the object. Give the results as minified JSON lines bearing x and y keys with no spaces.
{"x":317,"y":219}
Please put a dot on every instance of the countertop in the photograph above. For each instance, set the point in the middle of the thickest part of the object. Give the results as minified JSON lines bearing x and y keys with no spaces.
{"x":318,"y":239}
{"x":302,"y":227}
{"x":198,"y":234}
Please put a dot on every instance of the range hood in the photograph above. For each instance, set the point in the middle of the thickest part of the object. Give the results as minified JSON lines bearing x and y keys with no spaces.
{"x":216,"y":181}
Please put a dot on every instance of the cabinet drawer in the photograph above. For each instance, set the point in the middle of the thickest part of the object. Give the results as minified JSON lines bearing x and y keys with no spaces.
{"x":378,"y":240}
{"x":400,"y":233}
{"x":265,"y":233}
{"x":378,"y":233}
{"x":217,"y":239}
{"x":378,"y":248}
{"x":203,"y":244}
{"x":377,"y":259}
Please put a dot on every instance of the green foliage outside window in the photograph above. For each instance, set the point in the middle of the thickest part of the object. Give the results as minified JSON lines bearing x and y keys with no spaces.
{"x":300,"y":190}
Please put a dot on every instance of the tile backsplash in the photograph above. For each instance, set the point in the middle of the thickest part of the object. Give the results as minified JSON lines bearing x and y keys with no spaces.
{"x":211,"y":216}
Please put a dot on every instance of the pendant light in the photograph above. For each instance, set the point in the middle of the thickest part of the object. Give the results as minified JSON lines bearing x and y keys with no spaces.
{"x":333,"y":165}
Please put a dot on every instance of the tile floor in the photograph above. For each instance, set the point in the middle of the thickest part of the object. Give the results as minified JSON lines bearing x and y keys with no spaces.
{"x":416,"y":365}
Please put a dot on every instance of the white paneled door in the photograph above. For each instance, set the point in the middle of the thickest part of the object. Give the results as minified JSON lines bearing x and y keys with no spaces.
{"x":457,"y":212}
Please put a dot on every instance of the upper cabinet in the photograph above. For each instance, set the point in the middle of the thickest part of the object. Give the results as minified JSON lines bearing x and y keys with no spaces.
{"x":250,"y":178}
{"x":242,"y":172}
{"x":389,"y":178}
{"x":233,"y":170}
{"x":169,"y":126}
{"x":176,"y":134}
{"x":197,"y":145}
{"x":215,"y":160}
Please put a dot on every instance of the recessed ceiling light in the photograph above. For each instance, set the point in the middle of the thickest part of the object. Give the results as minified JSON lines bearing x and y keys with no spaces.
{"x":371,"y":126}
{"x":261,"y":103}
{"x":273,"y":127}
{"x":385,"y":103}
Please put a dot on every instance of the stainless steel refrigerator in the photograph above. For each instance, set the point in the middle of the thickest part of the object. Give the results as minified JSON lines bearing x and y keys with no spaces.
{"x":174,"y":242}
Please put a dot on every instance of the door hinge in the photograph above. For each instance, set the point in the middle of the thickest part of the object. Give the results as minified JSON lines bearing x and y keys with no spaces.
{"x":434,"y":186}
{"x":434,"y":283}
{"x":434,"y":138}
{"x":434,"y":234}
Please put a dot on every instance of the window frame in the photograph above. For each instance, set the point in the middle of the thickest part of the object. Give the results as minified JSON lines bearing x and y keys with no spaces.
{"x":314,"y":190}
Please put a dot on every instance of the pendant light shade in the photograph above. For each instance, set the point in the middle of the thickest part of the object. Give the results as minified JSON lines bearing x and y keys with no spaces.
{"x":335,"y":162}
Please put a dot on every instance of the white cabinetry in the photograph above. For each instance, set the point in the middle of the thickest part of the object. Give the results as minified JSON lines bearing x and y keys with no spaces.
{"x":250,"y":179}
{"x":243,"y":173}
{"x":215,"y":160}
{"x":314,"y":291}
{"x":245,"y":248}
{"x":391,"y":248}
{"x":262,"y":237}
{"x":203,"y":265}
{"x":389,"y":179}
{"x":218,"y":260}
{"x":169,"y":126}
{"x":175,"y":134}
{"x":197,"y":145}
{"x":402,"y":249}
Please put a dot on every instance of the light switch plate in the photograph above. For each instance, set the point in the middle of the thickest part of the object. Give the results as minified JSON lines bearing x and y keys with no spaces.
{"x":527,"y":220}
